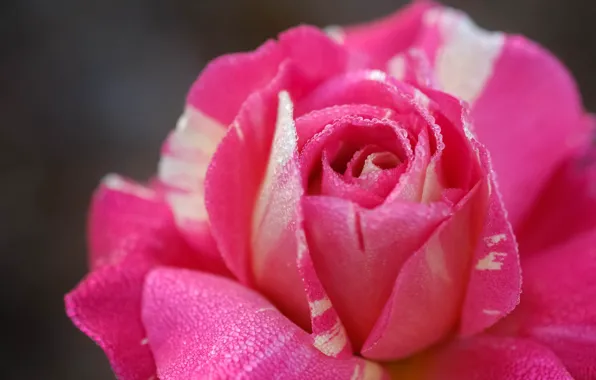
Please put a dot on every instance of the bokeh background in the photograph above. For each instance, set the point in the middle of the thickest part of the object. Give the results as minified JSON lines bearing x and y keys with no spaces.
{"x":91,"y":87}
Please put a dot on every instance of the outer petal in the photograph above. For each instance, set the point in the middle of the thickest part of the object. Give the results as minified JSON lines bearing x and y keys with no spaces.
{"x":274,"y":221}
{"x":106,"y":306}
{"x":484,"y":358}
{"x":131,"y":225}
{"x":213,"y":102}
{"x":182,"y":169}
{"x":203,"y":326}
{"x":566,"y":207}
{"x":494,"y":283}
{"x":413,"y":66}
{"x":229,"y":80}
{"x":131,"y":230}
{"x":237,"y":202}
{"x":241,"y":202}
{"x":279,"y":244}
{"x":235,"y":174}
{"x":558,"y":307}
{"x":546,"y":100}
{"x":383,"y":39}
{"x":525,"y":105}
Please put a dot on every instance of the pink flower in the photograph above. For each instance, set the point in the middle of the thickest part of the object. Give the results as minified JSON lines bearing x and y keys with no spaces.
{"x":327,"y":209}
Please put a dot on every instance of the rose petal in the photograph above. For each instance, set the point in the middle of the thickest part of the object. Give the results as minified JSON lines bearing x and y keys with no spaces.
{"x":131,"y":230}
{"x":308,"y":125}
{"x":213,"y":102}
{"x":316,"y":55}
{"x":371,"y":87}
{"x":410,"y":108}
{"x":368,"y":191}
{"x":351,"y":132}
{"x":503,"y":76}
{"x":413,"y":66}
{"x":203,"y":326}
{"x":227,"y":81}
{"x":247,"y":148}
{"x":328,"y":332}
{"x":462,"y":54}
{"x":108,"y":230}
{"x":348,"y":242}
{"x":181,"y":175}
{"x":426,"y":296}
{"x":131,"y":225}
{"x":495,"y":279}
{"x":484,"y":358}
{"x":570,"y":196}
{"x":248,"y":143}
{"x":557,"y":305}
{"x":530,"y":83}
{"x":106,"y":306}
{"x":494,"y":283}
{"x":380,"y":40}
{"x":274,"y":220}
{"x":231,"y":201}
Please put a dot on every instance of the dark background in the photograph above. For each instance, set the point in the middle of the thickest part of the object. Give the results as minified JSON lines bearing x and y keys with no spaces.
{"x":88,"y":88}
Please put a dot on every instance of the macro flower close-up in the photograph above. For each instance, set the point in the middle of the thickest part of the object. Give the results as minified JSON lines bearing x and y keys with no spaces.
{"x":410,"y":198}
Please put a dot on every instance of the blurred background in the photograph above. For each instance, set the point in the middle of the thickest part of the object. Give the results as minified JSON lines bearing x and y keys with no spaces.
{"x":88,"y":88}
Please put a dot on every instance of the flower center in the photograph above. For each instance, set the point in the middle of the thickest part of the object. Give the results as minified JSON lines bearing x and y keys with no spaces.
{"x":356,"y":158}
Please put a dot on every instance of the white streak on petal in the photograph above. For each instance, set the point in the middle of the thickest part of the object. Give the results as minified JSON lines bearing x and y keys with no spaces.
{"x":117,"y":183}
{"x":236,"y":127}
{"x":336,"y":33}
{"x":181,"y":174}
{"x":495,"y":239}
{"x":431,"y":191}
{"x":492,"y":261}
{"x":275,"y":208}
{"x":197,"y":131}
{"x":319,"y":307}
{"x":432,"y":16}
{"x":397,"y":67}
{"x":435,"y":259}
{"x":184,"y":163}
{"x":491,"y":312}
{"x":377,"y":75}
{"x":465,"y":61}
{"x":187,"y":207}
{"x":332,"y":342}
{"x":282,"y":150}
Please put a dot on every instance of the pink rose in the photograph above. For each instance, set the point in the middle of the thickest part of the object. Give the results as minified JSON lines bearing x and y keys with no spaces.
{"x":327,"y":209}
